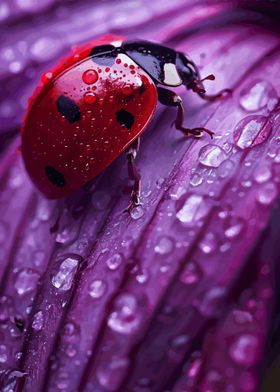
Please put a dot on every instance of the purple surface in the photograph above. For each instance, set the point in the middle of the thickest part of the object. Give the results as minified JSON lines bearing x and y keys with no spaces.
{"x":180,"y":296}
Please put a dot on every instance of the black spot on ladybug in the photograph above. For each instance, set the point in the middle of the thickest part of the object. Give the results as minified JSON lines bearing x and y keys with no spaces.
{"x":68,"y":108}
{"x":55,"y":177}
{"x":104,"y":54}
{"x":125,"y":118}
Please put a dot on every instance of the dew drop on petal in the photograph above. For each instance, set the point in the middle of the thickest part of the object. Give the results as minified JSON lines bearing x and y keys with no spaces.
{"x":164,"y":245}
{"x":26,"y":281}
{"x":191,"y":274}
{"x":234,"y":227}
{"x":90,"y":98}
{"x":63,"y":279}
{"x":137,"y":212}
{"x":212,"y":155}
{"x":126,"y":316}
{"x":262,"y":174}
{"x":142,"y":276}
{"x":251,"y":131}
{"x":110,"y":375}
{"x":257,"y":95}
{"x":3,"y":353}
{"x":225,"y":169}
{"x":192,"y":209}
{"x":208,"y":244}
{"x":38,"y":321}
{"x":114,"y":261}
{"x":244,"y":350}
{"x":242,"y":317}
{"x":97,"y":288}
{"x":267,"y":193}
{"x":210,"y":305}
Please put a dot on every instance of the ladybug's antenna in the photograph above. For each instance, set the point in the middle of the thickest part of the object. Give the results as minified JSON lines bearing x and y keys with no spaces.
{"x":196,"y":87}
{"x":197,"y":82}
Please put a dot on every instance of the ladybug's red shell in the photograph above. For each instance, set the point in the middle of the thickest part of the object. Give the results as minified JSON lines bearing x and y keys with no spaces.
{"x":82,"y":120}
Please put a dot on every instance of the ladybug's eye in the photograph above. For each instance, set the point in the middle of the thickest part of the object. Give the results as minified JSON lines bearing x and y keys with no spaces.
{"x":55,"y":177}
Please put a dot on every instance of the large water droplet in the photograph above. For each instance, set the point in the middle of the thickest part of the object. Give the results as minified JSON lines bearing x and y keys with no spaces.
{"x":114,"y":261}
{"x":267,"y":194}
{"x":38,"y":321}
{"x":245,"y":349}
{"x":26,"y":281}
{"x":251,"y":131}
{"x":164,"y":245}
{"x":212,"y":155}
{"x":257,"y":95}
{"x":97,"y":288}
{"x":64,"y":277}
{"x":137,"y":212}
{"x":90,"y":76}
{"x":192,"y":209}
{"x":126,"y":316}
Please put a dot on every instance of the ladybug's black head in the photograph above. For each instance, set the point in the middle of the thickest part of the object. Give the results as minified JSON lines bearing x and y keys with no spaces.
{"x":189,"y":74}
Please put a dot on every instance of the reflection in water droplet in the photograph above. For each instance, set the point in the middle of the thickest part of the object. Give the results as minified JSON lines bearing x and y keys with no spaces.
{"x":97,"y":288}
{"x":38,"y":321}
{"x":114,"y":261}
{"x":245,"y":349}
{"x":251,"y":131}
{"x":26,"y":281}
{"x":212,"y":155}
{"x":126,"y":316}
{"x":191,"y":274}
{"x":257,"y":95}
{"x":64,"y":278}
{"x":164,"y":245}
{"x":267,"y":194}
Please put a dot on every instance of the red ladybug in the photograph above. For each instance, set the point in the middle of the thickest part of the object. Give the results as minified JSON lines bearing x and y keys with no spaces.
{"x":95,"y":105}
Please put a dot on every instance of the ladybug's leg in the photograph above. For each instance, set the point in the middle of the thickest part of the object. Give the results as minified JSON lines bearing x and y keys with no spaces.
{"x":169,"y":98}
{"x":134,"y":175}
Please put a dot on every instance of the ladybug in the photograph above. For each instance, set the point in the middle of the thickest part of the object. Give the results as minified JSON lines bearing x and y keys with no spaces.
{"x":96,"y":104}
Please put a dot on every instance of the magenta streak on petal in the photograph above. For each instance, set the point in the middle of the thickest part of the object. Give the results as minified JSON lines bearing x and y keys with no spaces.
{"x":169,"y":272}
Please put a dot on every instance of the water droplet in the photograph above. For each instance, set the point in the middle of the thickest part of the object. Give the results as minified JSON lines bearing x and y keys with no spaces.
{"x":90,"y":98}
{"x":267,"y":194}
{"x":126,"y":316}
{"x":176,"y":192}
{"x":97,"y":288}
{"x":64,"y":277}
{"x":3,"y":353}
{"x":110,"y":374}
{"x":127,"y":90}
{"x":192,"y":209}
{"x":142,"y":276}
{"x":212,"y":155}
{"x":225,"y":168}
{"x":38,"y":321}
{"x":26,"y":281}
{"x":90,"y":76}
{"x":234,"y":227}
{"x":114,"y":261}
{"x":262,"y":174}
{"x":44,"y":48}
{"x":257,"y":95}
{"x":208,"y":244}
{"x":137,"y":212}
{"x":210,"y":305}
{"x":245,"y":350}
{"x":164,"y":245}
{"x":251,"y":131}
{"x":242,"y":316}
{"x":191,"y":274}
{"x":62,"y":381}
{"x":196,"y":180}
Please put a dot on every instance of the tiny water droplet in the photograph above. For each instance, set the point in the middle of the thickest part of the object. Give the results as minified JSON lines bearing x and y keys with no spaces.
{"x":262,"y":174}
{"x":126,"y":316}
{"x":26,"y":280}
{"x":210,"y":305}
{"x":191,"y":274}
{"x":97,"y":288}
{"x":251,"y":131}
{"x":114,"y":261}
{"x":234,"y":227}
{"x":208,"y":244}
{"x":244,"y":350}
{"x":212,"y":155}
{"x":196,"y":180}
{"x":3,"y":353}
{"x":267,"y":194}
{"x":64,"y":277}
{"x":142,"y":276}
{"x":164,"y":245}
{"x":257,"y":95}
{"x":38,"y":321}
